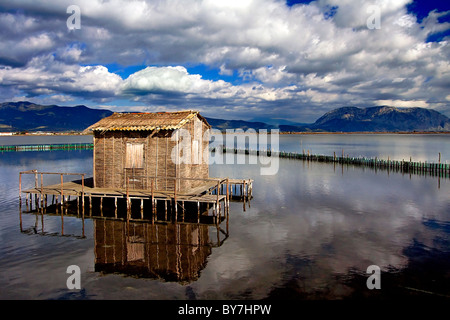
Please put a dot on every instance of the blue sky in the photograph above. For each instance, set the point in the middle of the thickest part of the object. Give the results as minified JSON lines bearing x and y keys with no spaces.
{"x":235,"y":59}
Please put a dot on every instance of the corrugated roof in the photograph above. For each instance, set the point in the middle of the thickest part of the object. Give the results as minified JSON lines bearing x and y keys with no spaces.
{"x":145,"y":121}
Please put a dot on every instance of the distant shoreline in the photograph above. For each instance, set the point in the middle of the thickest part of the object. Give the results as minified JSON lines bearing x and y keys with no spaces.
{"x":371,"y":132}
{"x":5,"y":134}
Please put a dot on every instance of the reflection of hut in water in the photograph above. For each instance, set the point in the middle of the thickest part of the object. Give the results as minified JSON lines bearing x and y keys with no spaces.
{"x":174,"y":252}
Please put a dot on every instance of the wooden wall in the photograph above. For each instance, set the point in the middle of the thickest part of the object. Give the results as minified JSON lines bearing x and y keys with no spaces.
{"x":199,"y":166}
{"x":110,"y":159}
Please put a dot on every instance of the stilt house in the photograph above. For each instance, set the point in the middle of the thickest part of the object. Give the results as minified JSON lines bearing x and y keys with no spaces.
{"x":149,"y":150}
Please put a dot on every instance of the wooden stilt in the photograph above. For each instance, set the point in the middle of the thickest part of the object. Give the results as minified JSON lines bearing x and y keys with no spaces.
{"x":82,"y":191}
{"x":115,"y":207}
{"x":198,"y":212}
{"x":62,"y":190}
{"x":153,"y":199}
{"x":182,"y":210}
{"x":228,"y":197}
{"x":175,"y":199}
{"x":165,"y":210}
{"x":128,"y":200}
{"x":154,"y":204}
{"x":20,"y":189}
{"x":90,"y":205}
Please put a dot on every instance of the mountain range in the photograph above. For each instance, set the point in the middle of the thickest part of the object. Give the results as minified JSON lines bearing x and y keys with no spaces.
{"x":27,"y":116}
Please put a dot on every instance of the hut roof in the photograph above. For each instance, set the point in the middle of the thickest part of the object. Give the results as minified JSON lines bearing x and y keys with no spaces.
{"x":145,"y":121}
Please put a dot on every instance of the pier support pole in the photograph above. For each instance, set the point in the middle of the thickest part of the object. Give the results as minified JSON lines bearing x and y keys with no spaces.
{"x":82,"y":192}
{"x":128,"y":203}
{"x":20,"y":189}
{"x":175,"y":199}
{"x":62,"y":191}
{"x":227,"y":199}
{"x":115,"y":207}
{"x":198,"y":211}
{"x":90,"y":205}
{"x":153,"y":200}
{"x":217,"y":203}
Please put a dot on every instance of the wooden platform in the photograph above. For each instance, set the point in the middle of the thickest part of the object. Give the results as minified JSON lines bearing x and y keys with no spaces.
{"x":75,"y":188}
{"x":213,"y":192}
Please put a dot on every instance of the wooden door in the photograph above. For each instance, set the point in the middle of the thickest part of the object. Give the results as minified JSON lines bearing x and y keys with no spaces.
{"x":134,"y":165}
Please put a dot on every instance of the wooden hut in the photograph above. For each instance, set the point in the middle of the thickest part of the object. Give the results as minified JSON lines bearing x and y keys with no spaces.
{"x":149,"y":150}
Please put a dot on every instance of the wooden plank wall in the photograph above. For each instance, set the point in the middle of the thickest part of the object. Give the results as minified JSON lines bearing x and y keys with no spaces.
{"x":110,"y":158}
{"x":200,"y":169}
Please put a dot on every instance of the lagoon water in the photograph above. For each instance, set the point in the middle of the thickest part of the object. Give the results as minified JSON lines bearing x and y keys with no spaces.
{"x":311,"y":232}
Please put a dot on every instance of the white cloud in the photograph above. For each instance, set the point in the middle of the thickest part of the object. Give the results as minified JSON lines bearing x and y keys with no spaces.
{"x":170,"y":79}
{"x":45,"y":75}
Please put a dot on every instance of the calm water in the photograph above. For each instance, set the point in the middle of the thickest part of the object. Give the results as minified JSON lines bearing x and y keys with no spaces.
{"x":310,"y":232}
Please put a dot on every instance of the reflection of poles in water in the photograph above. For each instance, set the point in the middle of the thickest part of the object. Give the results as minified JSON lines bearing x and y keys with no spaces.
{"x":171,"y":251}
{"x":20,"y":215}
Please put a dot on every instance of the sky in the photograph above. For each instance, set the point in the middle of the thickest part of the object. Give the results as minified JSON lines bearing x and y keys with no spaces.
{"x":266,"y":60}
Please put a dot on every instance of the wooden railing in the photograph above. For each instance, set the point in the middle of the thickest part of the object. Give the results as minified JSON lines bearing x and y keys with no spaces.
{"x":41,"y":187}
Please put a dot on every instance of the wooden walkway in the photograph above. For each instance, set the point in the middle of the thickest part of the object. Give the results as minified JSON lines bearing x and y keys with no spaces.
{"x":214,"y":192}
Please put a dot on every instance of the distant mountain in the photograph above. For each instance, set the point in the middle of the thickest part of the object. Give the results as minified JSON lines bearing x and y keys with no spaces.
{"x":222,"y":125}
{"x":27,"y":116}
{"x":279,"y":122}
{"x":381,"y":119}
{"x":288,"y":126}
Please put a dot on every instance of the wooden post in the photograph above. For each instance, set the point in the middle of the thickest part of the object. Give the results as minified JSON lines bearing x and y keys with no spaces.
{"x":198,"y":211}
{"x":153,"y":200}
{"x":228,"y":197}
{"x":20,"y":188}
{"x":62,"y":192}
{"x":182,"y":210}
{"x":115,"y":207}
{"x":128,"y":194}
{"x":82,"y":191}
{"x":153,"y":215}
{"x":175,"y":198}
{"x":165,"y":210}
{"x":142,"y":208}
{"x":217,"y":202}
{"x":245,"y":189}
{"x":90,"y":205}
